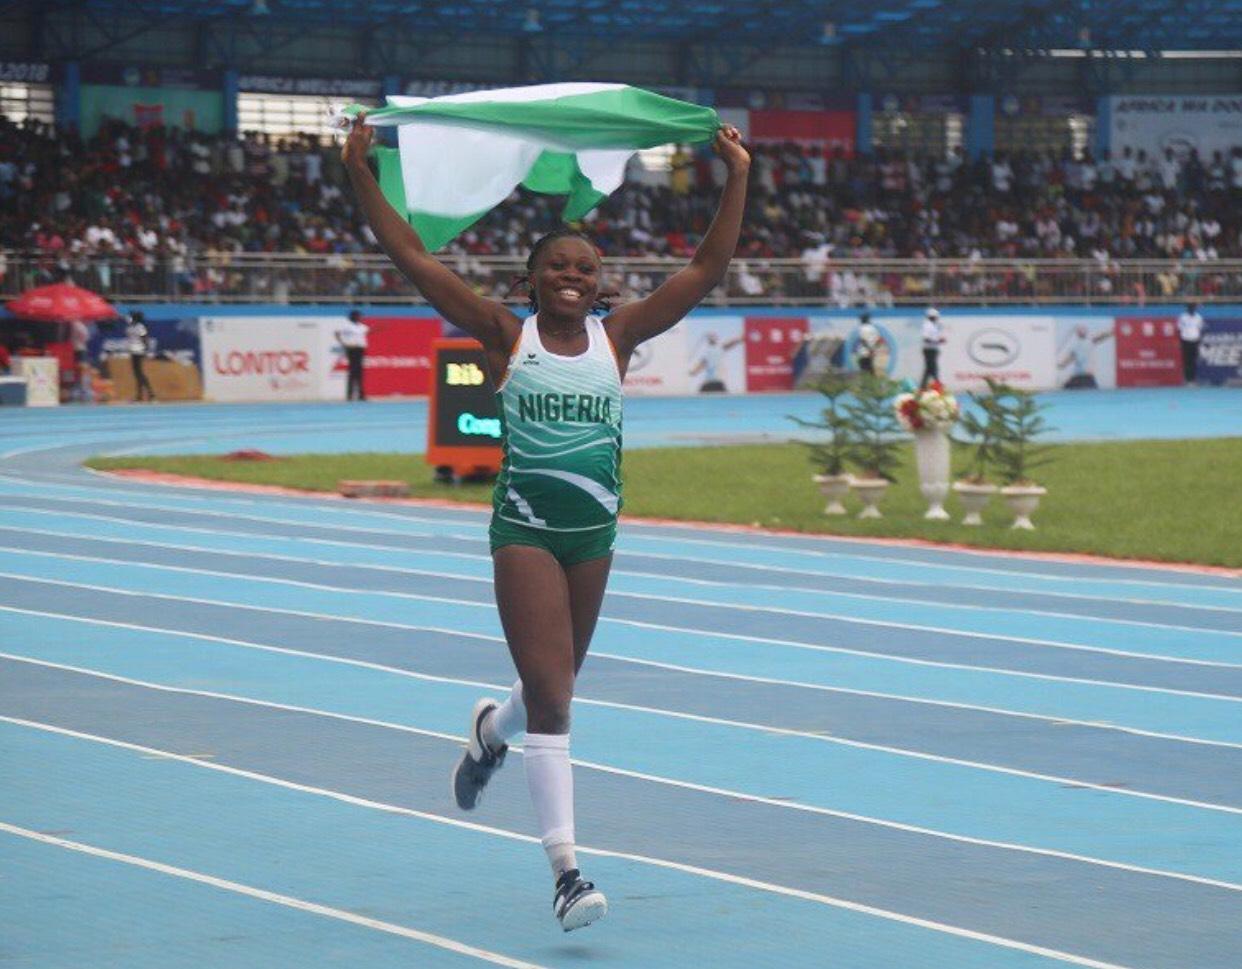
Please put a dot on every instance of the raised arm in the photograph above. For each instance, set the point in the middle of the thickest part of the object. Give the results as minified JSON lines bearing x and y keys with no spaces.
{"x":635,"y":322}
{"x":487,"y":320}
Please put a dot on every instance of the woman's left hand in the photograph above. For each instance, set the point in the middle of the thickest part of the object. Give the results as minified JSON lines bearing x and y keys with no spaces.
{"x":728,"y":146}
{"x":358,"y":142}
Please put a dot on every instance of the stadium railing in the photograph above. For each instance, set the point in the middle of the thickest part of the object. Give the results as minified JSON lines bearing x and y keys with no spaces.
{"x":370,"y":278}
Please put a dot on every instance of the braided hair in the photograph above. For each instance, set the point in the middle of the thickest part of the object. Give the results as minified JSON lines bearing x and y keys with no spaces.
{"x":603,"y":301}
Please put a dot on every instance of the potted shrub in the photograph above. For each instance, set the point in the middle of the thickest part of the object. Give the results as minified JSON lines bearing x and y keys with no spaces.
{"x":928,"y":413}
{"x":875,"y":437}
{"x":979,"y":433}
{"x":829,"y":455}
{"x":1015,"y":453}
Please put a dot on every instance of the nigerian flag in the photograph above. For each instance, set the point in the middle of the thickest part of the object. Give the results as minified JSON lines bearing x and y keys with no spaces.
{"x":461,"y":155}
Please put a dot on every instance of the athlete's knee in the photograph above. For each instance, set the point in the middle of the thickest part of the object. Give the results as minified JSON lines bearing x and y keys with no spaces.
{"x":547,"y":709}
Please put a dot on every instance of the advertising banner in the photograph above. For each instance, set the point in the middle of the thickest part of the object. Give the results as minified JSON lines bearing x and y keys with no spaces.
{"x":1220,"y":353}
{"x":771,"y":343}
{"x":262,"y":357}
{"x":28,"y":72}
{"x":1205,"y":123}
{"x":1086,"y":352}
{"x":1018,"y":350}
{"x":716,"y":360}
{"x":325,"y":86}
{"x":830,"y":129}
{"x":169,"y":339}
{"x":145,"y":107}
{"x":174,"y":363}
{"x":1148,"y":352}
{"x":922,"y":104}
{"x":659,"y":367}
{"x":397,"y":361}
{"x":899,"y":354}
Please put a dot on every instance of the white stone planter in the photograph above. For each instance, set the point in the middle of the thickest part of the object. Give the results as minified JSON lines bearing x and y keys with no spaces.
{"x":869,"y":491}
{"x":931,"y":454}
{"x":1022,"y":501}
{"x":834,"y":487}
{"x":974,"y":498}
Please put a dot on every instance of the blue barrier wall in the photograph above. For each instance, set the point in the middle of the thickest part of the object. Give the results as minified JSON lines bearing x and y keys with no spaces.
{"x":769,"y":348}
{"x":1224,"y":310}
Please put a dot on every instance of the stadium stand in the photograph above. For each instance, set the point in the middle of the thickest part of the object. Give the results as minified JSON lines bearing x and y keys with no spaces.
{"x":119,"y":204}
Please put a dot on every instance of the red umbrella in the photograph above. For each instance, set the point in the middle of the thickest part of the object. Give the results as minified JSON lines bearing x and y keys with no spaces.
{"x":62,"y":303}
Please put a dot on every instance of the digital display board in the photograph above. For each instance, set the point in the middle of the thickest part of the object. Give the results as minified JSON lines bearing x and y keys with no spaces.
{"x":463,"y":431}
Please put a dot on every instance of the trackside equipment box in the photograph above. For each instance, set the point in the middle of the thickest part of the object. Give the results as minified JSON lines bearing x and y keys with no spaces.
{"x":463,"y":427}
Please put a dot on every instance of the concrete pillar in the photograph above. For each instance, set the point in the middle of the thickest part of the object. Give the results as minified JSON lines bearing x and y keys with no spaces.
{"x":69,"y":96}
{"x":229,"y":92}
{"x":981,"y":125}
{"x":862,"y":129}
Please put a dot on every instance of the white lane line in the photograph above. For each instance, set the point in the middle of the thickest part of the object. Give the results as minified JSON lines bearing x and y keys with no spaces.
{"x":681,"y":630}
{"x":1059,"y":721}
{"x":280,"y":503}
{"x":288,"y":901}
{"x":641,"y":775}
{"x":934,"y":586}
{"x":712,"y":874}
{"x":924,"y":563}
{"x":821,"y":737}
{"x":91,"y":436}
{"x":446,"y":600}
{"x":229,"y":502}
{"x":639,"y":525}
{"x":670,"y":579}
{"x":933,"y":589}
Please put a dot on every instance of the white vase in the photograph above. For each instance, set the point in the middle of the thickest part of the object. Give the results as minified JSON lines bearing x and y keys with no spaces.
{"x":834,"y":487}
{"x":1022,"y":501}
{"x":869,"y":491}
{"x":931,"y":454}
{"x":974,"y":498}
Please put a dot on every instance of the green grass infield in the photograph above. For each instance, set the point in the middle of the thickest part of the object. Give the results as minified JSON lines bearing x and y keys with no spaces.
{"x":1174,"y":501}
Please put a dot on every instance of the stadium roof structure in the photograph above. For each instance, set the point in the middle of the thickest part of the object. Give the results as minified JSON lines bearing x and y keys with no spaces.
{"x":1065,"y":26}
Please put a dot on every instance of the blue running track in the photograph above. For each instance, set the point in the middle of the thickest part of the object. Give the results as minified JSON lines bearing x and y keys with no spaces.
{"x":227,"y":722}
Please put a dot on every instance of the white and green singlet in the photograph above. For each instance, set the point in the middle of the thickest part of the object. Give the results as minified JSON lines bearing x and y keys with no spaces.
{"x":561,"y":423}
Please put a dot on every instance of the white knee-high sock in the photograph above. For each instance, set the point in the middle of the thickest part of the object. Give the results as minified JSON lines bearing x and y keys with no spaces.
{"x":507,"y":720}
{"x":551,"y":782}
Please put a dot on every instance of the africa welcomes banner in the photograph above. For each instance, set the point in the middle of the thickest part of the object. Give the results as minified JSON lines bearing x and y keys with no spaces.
{"x":1220,"y":352}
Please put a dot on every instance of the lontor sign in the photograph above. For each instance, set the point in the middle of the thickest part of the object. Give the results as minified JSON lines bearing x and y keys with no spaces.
{"x":463,"y":429}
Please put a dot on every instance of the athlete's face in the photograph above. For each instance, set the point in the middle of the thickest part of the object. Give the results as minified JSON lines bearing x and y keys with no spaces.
{"x":567,"y":277}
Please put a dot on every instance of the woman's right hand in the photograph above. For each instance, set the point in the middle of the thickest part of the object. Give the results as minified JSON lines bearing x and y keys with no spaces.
{"x":358,"y":142}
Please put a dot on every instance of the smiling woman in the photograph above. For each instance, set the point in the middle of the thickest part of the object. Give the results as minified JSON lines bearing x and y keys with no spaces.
{"x":558,"y":375}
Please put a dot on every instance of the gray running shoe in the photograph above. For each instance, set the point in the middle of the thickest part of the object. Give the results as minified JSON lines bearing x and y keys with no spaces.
{"x":479,"y":761}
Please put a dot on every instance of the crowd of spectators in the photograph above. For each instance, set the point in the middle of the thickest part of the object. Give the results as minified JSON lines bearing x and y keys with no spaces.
{"x":166,"y":203}
{"x":171,"y":209}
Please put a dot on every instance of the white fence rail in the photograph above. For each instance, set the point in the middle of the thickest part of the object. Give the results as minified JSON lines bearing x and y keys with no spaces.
{"x":370,"y":278}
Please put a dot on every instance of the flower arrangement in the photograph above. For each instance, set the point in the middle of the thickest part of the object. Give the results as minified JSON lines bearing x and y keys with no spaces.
{"x":930,"y":408}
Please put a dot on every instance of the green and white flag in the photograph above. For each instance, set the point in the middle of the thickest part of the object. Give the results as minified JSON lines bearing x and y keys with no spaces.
{"x":461,"y":155}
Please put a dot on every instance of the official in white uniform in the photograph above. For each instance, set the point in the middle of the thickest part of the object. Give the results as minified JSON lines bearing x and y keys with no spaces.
{"x":139,"y":345}
{"x":1190,"y":330}
{"x":353,"y":338}
{"x":933,"y":339}
{"x":866,"y":344}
